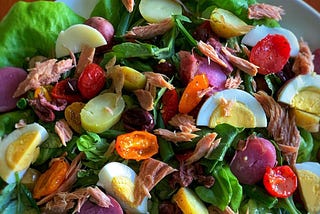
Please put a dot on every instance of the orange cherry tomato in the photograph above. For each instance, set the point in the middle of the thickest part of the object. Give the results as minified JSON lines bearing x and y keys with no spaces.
{"x":190,"y":97}
{"x":137,"y":145}
{"x":51,"y":179}
{"x":280,"y":181}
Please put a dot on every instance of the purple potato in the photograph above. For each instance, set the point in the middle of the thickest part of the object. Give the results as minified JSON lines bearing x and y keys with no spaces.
{"x":90,"y":208}
{"x":10,"y":78}
{"x":249,"y":165}
{"x":103,"y":26}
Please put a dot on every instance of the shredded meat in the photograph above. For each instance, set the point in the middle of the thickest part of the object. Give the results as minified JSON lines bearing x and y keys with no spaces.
{"x":303,"y":63}
{"x":261,"y":11}
{"x":281,"y":126}
{"x":203,"y":148}
{"x":157,"y":80}
{"x":20,"y":124}
{"x":70,"y":179}
{"x":189,"y":173}
{"x":64,"y":131}
{"x":44,"y":73}
{"x":86,"y":57}
{"x":117,"y":77}
{"x":151,"y":30}
{"x":233,"y":81}
{"x":151,"y":172}
{"x":63,"y":202}
{"x":226,"y":106}
{"x":175,"y":136}
{"x":145,"y":99}
{"x":129,"y":4}
{"x":184,"y":122}
{"x":210,"y":52}
{"x":241,"y":63}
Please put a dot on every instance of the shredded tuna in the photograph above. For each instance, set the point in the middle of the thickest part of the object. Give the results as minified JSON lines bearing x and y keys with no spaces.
{"x":65,"y":201}
{"x":210,"y":52}
{"x":44,"y":73}
{"x":20,"y":124}
{"x":63,"y":131}
{"x":115,"y":73}
{"x":129,"y":4}
{"x":175,"y":136}
{"x":70,"y":179}
{"x":157,"y":80}
{"x":281,"y":126}
{"x":303,"y":63}
{"x":151,"y":30}
{"x":145,"y":99}
{"x":203,"y":148}
{"x":226,"y":106}
{"x":261,"y":11}
{"x":86,"y":57}
{"x":241,"y":63}
{"x":184,"y":122}
{"x":233,"y":81}
{"x":151,"y":172}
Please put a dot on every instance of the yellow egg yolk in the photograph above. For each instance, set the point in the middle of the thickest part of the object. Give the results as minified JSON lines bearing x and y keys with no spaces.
{"x":308,"y":121}
{"x":238,"y":115}
{"x":123,"y":189}
{"x":20,"y":153}
{"x":308,"y":99}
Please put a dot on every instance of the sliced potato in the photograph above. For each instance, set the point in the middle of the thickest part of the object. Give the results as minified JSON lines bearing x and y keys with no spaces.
{"x":102,"y":112}
{"x":133,"y":79}
{"x":189,"y":202}
{"x":225,"y":24}
{"x":77,"y":36}
{"x":155,"y":11}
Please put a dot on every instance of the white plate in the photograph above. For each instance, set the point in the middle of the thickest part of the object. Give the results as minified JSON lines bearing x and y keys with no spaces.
{"x":300,"y":18}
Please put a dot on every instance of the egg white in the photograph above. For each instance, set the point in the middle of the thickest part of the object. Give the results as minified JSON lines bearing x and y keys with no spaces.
{"x":113,"y":170}
{"x":238,"y":95}
{"x":6,"y":172}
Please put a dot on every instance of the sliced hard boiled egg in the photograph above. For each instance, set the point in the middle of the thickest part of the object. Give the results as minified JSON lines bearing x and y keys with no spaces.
{"x":75,"y":37}
{"x":118,"y":180}
{"x":233,"y":106}
{"x":19,"y":149}
{"x":261,"y":31}
{"x":302,"y":93}
{"x":308,"y":174}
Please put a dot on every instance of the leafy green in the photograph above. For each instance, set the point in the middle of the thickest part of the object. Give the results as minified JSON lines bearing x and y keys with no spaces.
{"x":109,"y":9}
{"x":31,"y":29}
{"x":226,"y":190}
{"x":260,"y":195}
{"x":306,"y":146}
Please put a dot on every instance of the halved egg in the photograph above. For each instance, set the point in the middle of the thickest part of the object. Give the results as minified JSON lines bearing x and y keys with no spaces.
{"x":75,"y":37}
{"x":118,"y":180}
{"x":233,"y":106}
{"x":308,"y":174}
{"x":19,"y":149}
{"x":261,"y":31}
{"x":302,"y":93}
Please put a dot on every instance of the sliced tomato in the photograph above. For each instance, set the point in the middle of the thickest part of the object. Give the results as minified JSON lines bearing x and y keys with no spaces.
{"x":280,"y":181}
{"x":137,"y":145}
{"x":91,"y":81}
{"x":170,"y":104}
{"x":270,"y":54}
{"x":67,"y":89}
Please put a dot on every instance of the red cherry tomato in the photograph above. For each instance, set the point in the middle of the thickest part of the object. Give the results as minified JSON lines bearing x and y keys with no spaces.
{"x":280,"y":181}
{"x":270,"y":54}
{"x":170,"y":103}
{"x":91,"y":81}
{"x":66,"y":89}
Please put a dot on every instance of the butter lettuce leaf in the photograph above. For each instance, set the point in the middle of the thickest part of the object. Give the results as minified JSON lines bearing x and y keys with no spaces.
{"x":31,"y":29}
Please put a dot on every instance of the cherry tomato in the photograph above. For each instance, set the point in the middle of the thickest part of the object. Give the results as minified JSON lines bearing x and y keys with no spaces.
{"x":280,"y":181}
{"x":66,"y":89}
{"x":170,"y":104}
{"x":190,"y":97}
{"x":137,"y":145}
{"x":270,"y":54}
{"x":91,"y":81}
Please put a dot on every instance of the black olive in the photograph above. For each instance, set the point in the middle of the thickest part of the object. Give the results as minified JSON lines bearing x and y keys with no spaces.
{"x":137,"y":119}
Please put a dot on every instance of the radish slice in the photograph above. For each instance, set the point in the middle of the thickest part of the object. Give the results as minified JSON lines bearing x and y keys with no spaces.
{"x":259,"y":32}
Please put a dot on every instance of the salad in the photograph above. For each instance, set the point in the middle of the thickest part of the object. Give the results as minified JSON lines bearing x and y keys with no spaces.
{"x":157,"y":106}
